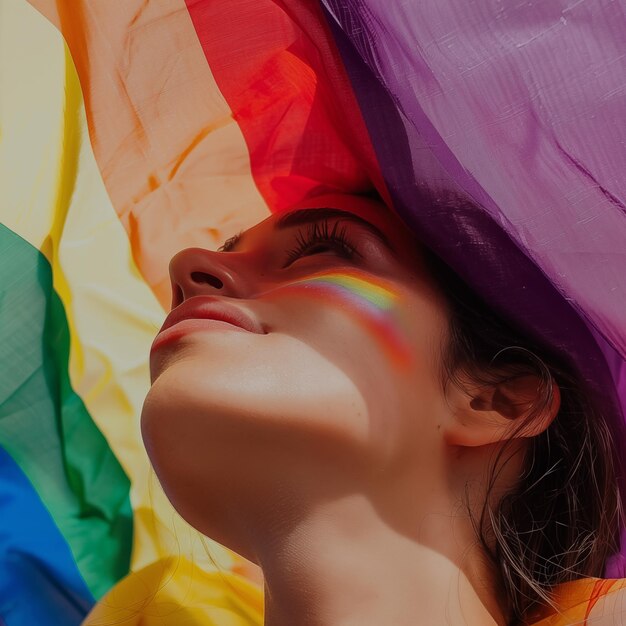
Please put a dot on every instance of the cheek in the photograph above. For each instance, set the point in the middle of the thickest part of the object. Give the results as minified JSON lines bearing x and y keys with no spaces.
{"x":375,"y":307}
{"x":384,"y":339}
{"x":383,"y":324}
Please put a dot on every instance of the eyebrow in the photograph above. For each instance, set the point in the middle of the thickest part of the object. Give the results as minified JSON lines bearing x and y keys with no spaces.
{"x":306,"y":216}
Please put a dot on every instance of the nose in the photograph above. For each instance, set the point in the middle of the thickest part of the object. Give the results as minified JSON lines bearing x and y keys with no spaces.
{"x":196,"y":271}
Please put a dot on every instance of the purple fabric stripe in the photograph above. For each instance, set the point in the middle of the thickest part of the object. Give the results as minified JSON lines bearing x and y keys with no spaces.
{"x":507,"y":166}
{"x":522,"y":106}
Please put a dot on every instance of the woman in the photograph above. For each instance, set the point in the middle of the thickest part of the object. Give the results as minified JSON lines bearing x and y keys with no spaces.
{"x":227,"y":107}
{"x":332,"y":403}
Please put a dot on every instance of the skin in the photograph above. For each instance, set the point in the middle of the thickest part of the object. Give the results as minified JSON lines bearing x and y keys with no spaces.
{"x":315,"y":450}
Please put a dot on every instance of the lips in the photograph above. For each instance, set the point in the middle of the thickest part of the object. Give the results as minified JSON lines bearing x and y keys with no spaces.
{"x":206,"y":307}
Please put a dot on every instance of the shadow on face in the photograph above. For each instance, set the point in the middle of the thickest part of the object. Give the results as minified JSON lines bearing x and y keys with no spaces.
{"x":331,"y":388}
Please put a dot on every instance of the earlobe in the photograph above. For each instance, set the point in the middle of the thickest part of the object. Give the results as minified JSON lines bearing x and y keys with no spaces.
{"x":492,"y":414}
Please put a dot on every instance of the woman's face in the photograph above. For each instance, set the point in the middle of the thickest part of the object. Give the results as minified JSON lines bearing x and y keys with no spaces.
{"x":332,"y":386}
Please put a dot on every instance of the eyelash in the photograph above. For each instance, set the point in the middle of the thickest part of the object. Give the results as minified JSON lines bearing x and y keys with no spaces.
{"x":319,"y":233}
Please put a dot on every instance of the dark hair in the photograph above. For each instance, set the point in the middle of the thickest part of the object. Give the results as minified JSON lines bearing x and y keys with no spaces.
{"x":561,"y":521}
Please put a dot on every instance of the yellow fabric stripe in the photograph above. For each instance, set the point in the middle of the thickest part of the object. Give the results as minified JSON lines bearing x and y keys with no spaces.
{"x":150,"y":597}
{"x":35,"y":200}
{"x":53,"y":196}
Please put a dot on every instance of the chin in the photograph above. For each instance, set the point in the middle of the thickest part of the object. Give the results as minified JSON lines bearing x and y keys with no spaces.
{"x":229,"y":434}
{"x":235,"y":399}
{"x":197,"y":485}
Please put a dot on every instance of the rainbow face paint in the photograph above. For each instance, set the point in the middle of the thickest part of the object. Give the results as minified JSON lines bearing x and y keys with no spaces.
{"x":373,"y":302}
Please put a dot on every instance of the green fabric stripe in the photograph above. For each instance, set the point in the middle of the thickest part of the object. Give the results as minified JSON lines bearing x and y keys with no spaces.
{"x":45,"y":426}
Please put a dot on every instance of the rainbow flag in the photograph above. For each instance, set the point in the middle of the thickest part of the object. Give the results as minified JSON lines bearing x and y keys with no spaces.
{"x":131,"y":130}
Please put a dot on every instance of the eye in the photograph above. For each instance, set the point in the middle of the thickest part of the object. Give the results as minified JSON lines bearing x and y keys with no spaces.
{"x":230,"y":243}
{"x":319,"y":238}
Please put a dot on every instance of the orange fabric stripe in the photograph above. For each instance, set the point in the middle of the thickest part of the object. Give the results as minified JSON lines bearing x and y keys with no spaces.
{"x":172,"y":158}
{"x":291,"y":96}
{"x":575,"y":601}
{"x":601,"y":588}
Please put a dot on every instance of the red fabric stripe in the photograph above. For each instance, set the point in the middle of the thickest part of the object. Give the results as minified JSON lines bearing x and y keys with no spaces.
{"x":277,"y":66}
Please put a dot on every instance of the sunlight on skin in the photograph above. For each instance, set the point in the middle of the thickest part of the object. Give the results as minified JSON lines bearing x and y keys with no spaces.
{"x":372,"y":301}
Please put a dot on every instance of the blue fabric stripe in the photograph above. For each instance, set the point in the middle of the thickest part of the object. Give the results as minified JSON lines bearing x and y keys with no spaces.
{"x":40,"y":583}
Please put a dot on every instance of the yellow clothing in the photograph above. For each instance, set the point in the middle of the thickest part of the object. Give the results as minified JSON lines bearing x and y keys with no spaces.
{"x":175,"y":591}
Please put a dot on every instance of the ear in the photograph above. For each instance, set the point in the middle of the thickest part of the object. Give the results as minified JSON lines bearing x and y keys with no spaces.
{"x":485,"y":415}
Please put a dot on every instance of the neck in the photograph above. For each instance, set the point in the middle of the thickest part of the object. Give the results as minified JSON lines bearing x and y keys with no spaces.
{"x":345,"y":566}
